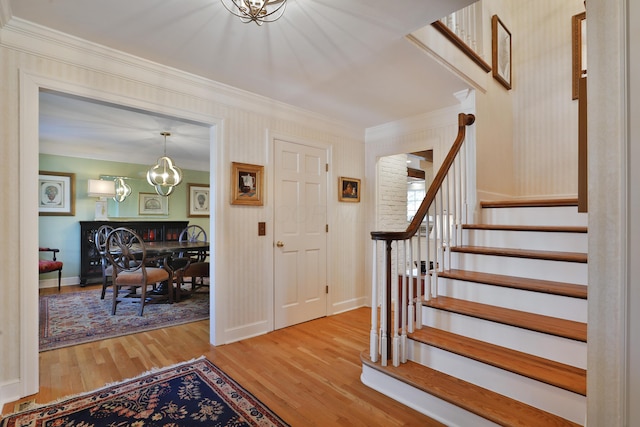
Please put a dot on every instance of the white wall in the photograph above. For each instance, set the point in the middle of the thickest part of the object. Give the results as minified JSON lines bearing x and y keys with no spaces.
{"x":243,"y":130}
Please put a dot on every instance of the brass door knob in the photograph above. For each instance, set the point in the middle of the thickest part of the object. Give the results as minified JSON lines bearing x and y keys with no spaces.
{"x":279,"y":244}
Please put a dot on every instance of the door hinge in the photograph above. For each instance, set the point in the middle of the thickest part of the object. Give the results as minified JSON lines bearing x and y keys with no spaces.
{"x":326,"y":228}
{"x":327,"y":289}
{"x":326,"y":167}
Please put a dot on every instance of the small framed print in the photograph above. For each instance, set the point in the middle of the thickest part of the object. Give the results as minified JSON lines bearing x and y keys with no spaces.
{"x":579,"y":50}
{"x":152,"y":204}
{"x":349,"y":190}
{"x":198,"y":200}
{"x":246,"y":184}
{"x":501,"y":52}
{"x":57,"y":193}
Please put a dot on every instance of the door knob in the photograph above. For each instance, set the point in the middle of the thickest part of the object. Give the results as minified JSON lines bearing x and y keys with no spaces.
{"x":279,"y":244}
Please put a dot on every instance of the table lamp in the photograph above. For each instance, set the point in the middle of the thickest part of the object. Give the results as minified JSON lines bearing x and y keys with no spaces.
{"x":101,"y":189}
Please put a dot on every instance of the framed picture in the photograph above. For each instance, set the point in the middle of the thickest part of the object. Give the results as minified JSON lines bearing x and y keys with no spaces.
{"x":246,"y":184}
{"x":198,"y":200}
{"x":56,"y":193}
{"x":501,"y":52}
{"x":579,"y":50}
{"x":152,"y":204}
{"x":349,"y":190}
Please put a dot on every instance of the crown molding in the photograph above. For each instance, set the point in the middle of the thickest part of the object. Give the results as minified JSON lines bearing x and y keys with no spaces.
{"x":34,"y":39}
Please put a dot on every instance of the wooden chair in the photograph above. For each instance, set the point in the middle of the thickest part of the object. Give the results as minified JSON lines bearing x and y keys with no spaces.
{"x":196,"y":268}
{"x":100,"y":240}
{"x":127,"y":255}
{"x":48,"y":266}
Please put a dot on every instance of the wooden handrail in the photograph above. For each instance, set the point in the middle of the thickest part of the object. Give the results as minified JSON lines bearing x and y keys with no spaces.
{"x":464,"y":120}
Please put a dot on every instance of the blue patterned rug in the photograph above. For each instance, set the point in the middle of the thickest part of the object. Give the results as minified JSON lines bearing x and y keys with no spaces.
{"x":78,"y":317}
{"x":195,"y":393}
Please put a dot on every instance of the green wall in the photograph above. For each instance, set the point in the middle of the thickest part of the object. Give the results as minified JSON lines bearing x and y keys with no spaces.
{"x":63,"y":232}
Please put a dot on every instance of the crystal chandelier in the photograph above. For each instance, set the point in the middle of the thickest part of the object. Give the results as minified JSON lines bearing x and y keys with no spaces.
{"x":164,"y":176}
{"x":258,"y":11}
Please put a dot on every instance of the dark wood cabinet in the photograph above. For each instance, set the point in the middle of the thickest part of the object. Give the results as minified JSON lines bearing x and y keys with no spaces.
{"x":150,"y":231}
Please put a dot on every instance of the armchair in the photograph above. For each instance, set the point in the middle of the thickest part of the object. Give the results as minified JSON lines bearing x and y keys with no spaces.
{"x":50,"y":265}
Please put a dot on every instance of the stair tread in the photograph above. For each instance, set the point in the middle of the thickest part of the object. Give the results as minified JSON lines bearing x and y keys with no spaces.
{"x":524,"y":283}
{"x":534,"y":322}
{"x":579,"y":257}
{"x":537,"y":228}
{"x":529,"y":203}
{"x":480,"y":401}
{"x":548,"y":371}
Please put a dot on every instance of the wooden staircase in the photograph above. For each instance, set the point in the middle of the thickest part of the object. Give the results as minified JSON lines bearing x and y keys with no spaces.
{"x":504,"y":343}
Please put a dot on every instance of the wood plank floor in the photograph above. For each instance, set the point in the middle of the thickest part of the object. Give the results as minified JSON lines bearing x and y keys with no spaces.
{"x":309,"y":374}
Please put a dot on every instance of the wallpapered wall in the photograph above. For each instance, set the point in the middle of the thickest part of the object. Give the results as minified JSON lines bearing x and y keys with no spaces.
{"x":63,"y":232}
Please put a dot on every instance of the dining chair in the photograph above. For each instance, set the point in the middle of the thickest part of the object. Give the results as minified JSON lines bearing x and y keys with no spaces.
{"x":50,"y":265}
{"x":100,"y":240}
{"x":193,"y":263}
{"x":127,"y":254}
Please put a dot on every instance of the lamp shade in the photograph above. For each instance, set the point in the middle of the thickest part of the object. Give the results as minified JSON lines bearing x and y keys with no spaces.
{"x":100,"y":188}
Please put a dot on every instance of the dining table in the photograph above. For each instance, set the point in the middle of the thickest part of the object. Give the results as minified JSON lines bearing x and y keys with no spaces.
{"x":171,"y":253}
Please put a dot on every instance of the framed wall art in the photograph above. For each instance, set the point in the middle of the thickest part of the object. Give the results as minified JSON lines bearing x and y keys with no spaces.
{"x":579,"y":50}
{"x":152,"y":204}
{"x":501,"y":52}
{"x":198,"y":200}
{"x":57,"y":193}
{"x":246,"y":184}
{"x":349,"y":190}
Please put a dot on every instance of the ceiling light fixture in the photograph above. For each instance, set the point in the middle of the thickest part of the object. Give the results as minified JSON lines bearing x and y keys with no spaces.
{"x":258,"y":11}
{"x":164,"y":176}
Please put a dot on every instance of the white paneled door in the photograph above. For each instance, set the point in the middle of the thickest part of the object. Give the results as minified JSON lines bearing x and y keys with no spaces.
{"x":300,"y":235}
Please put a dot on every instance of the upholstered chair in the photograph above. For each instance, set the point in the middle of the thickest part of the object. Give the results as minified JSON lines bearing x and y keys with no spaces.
{"x":50,"y":265}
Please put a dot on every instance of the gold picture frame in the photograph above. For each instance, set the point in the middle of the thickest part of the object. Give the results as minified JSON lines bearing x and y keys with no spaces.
{"x":501,"y":52}
{"x":246,"y":184}
{"x":349,"y":190}
{"x":56,"y":194}
{"x":199,"y":201}
{"x":579,"y":51}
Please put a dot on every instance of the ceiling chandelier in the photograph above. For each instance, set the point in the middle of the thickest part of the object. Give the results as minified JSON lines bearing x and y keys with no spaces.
{"x":164,"y":176}
{"x":258,"y":11}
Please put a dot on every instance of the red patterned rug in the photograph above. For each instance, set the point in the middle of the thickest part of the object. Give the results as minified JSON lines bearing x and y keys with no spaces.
{"x":195,"y":393}
{"x":79,"y":317}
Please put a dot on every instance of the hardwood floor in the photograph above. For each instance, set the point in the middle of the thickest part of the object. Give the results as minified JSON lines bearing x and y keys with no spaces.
{"x":309,"y":374}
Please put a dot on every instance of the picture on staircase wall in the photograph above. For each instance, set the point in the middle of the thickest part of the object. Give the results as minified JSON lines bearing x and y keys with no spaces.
{"x":501,"y":52}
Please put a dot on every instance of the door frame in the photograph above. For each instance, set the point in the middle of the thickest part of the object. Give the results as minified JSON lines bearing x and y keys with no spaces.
{"x":30,"y":86}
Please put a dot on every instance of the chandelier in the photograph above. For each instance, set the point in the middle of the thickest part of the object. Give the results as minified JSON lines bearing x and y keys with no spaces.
{"x":123,"y":190}
{"x":258,"y":11}
{"x":164,"y":176}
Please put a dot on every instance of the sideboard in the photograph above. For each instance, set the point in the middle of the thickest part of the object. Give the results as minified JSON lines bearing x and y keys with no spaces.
{"x":149,"y":231}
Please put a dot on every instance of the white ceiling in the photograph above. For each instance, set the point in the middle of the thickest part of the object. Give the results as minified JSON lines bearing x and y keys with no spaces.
{"x":345,"y":59}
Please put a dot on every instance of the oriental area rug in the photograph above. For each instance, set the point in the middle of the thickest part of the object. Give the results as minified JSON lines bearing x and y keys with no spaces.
{"x":78,"y":317}
{"x":195,"y":393}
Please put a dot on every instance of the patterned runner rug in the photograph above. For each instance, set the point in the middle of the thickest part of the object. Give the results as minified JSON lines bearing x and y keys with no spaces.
{"x":79,"y":317}
{"x":195,"y":393}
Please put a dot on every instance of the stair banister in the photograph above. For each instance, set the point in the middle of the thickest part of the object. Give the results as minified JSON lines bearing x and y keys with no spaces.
{"x":445,"y":229}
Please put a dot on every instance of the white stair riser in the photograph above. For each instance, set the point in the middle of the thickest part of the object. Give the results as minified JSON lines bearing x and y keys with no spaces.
{"x":431,"y":406}
{"x":549,"y":398}
{"x":559,"y":271}
{"x":533,"y":302}
{"x":562,"y":215}
{"x":551,"y":347}
{"x":534,"y":240}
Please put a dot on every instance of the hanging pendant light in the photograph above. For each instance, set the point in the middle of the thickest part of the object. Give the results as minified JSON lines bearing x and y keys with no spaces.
{"x":258,"y":11}
{"x":123,"y":190}
{"x":164,"y":176}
